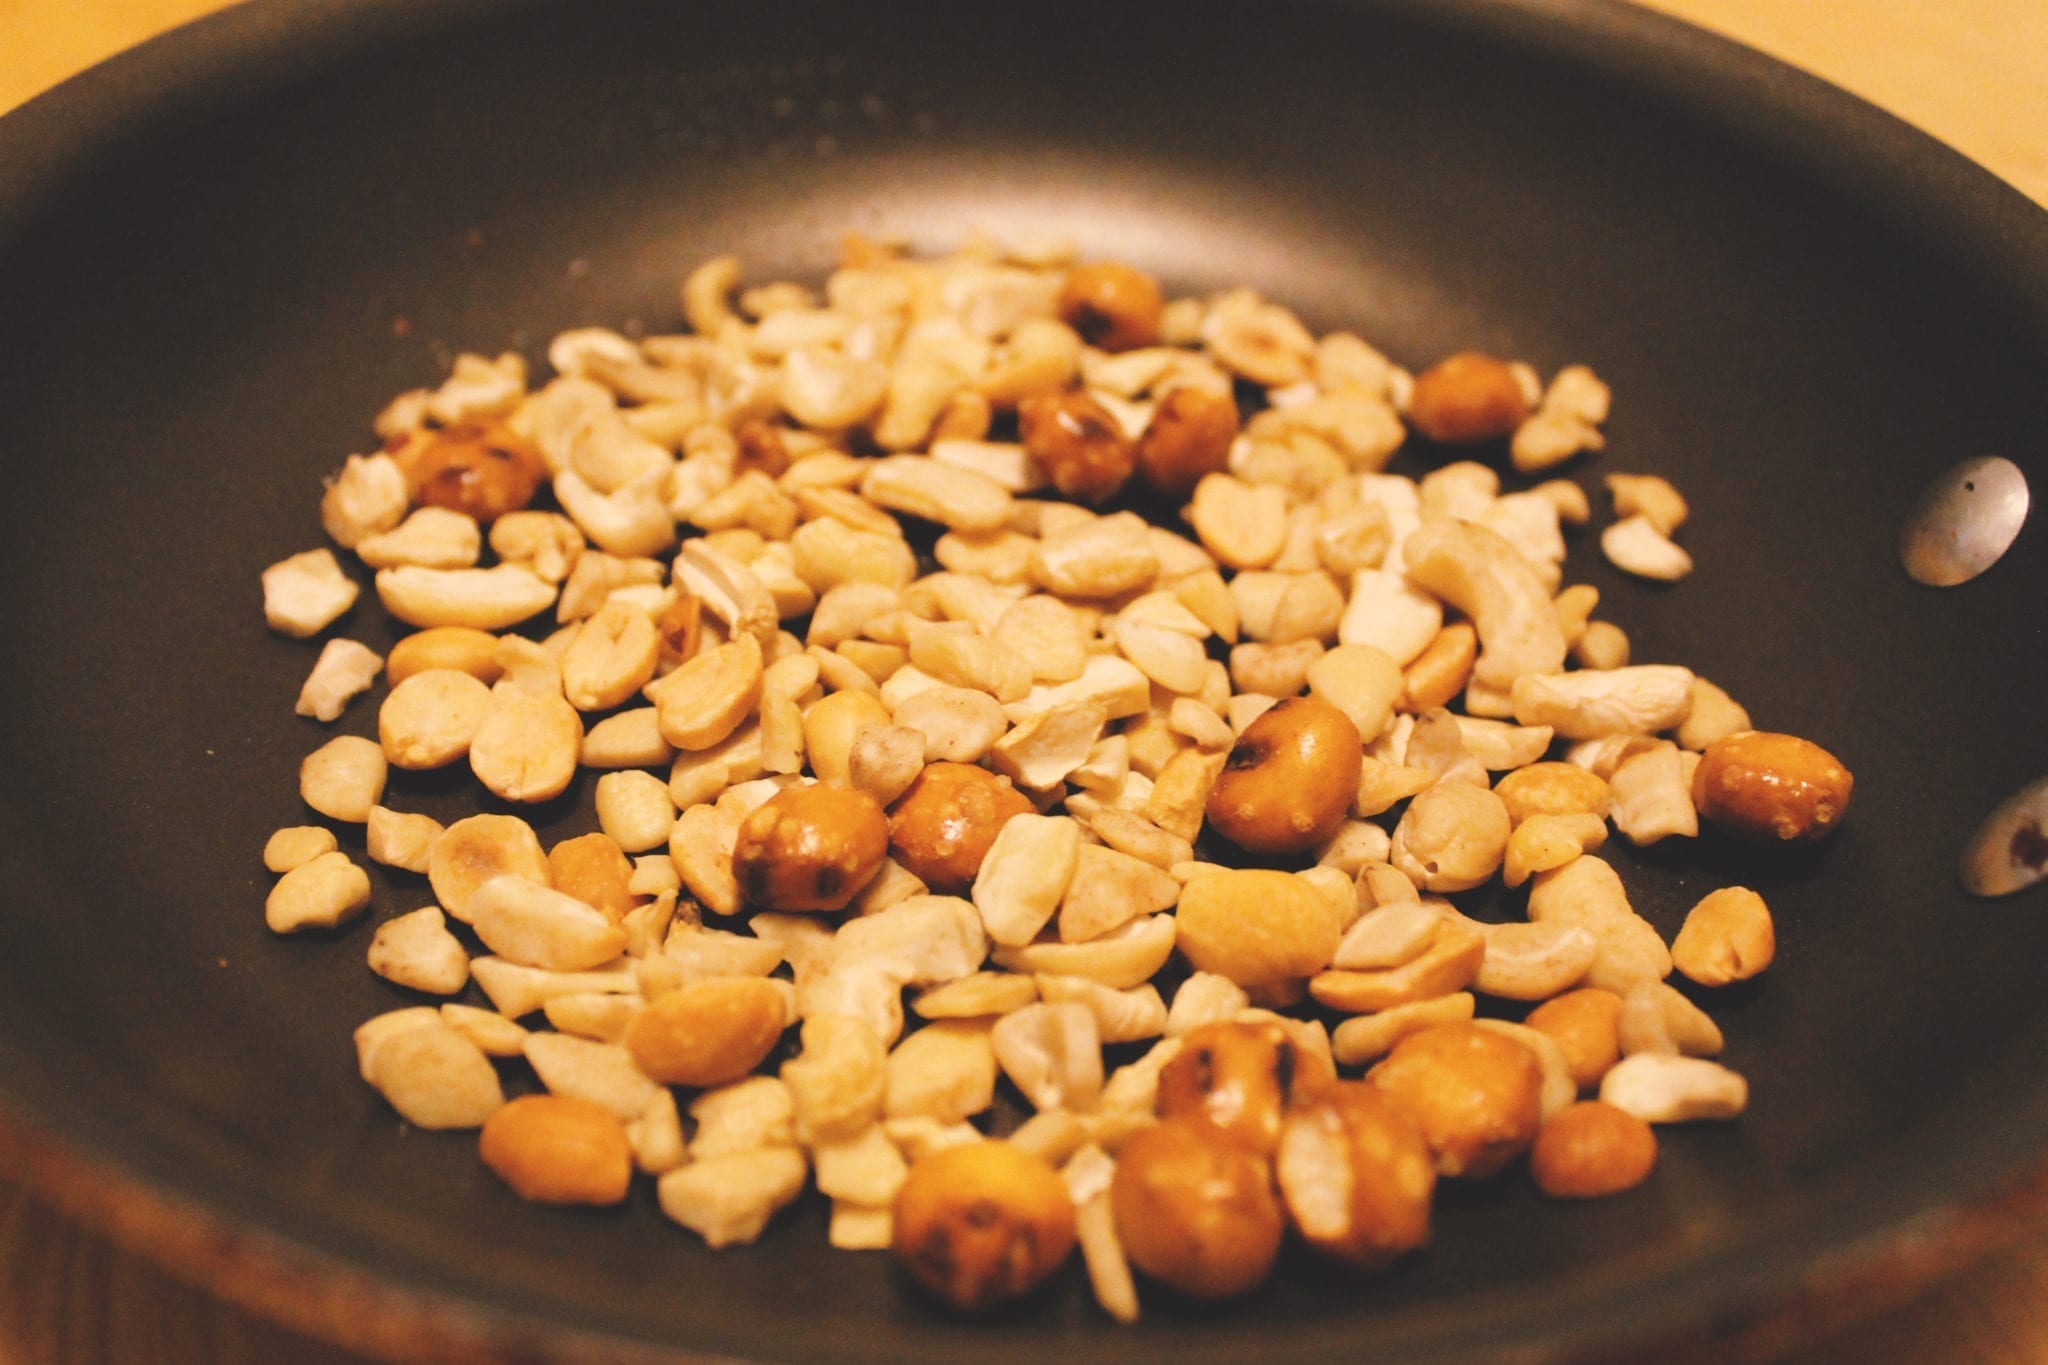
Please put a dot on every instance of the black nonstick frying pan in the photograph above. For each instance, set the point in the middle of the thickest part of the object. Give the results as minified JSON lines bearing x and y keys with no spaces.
{"x":220,"y":254}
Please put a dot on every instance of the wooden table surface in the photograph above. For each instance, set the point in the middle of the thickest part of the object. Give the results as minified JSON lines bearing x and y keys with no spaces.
{"x":1972,"y":72}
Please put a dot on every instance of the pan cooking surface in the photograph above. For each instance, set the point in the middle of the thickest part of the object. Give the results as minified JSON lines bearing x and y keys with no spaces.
{"x":202,"y":319}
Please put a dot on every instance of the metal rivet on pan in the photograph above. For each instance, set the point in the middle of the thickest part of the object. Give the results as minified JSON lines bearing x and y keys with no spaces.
{"x":2009,"y":851}
{"x":1966,"y":519}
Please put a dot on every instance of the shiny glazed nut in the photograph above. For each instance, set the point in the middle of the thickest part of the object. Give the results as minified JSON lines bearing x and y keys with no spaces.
{"x":707,"y":1032}
{"x":1772,"y":787}
{"x":1585,"y":1024}
{"x":1256,"y":926}
{"x":482,"y":471}
{"x":1355,"y":1175}
{"x":810,"y":848}
{"x":1475,"y":1094}
{"x":1467,"y":397}
{"x":1113,"y":307}
{"x":982,"y":1223}
{"x":943,"y":826}
{"x":471,"y":852}
{"x":1290,"y":779}
{"x":1079,"y":443}
{"x":1241,"y":1077}
{"x":1726,"y":937}
{"x":1195,"y":1209}
{"x":1188,"y":438}
{"x":428,"y":720}
{"x":556,"y":1149}
{"x":1592,"y":1150}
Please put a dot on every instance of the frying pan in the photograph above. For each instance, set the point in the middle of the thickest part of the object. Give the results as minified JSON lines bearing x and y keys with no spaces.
{"x":219,"y":255}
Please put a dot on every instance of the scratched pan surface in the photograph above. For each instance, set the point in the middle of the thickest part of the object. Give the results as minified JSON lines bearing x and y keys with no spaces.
{"x":205,"y":252}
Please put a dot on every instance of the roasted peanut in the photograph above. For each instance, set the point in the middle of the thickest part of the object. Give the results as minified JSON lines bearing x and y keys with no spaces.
{"x":593,"y":869}
{"x":527,"y":747}
{"x":1585,"y":1024}
{"x":1078,"y":442}
{"x":343,"y":779}
{"x":1196,"y":1209}
{"x":1188,"y":438}
{"x":1726,"y":937}
{"x":1241,"y":1077}
{"x":1475,"y":1094}
{"x":810,"y":848}
{"x":707,"y":1032}
{"x":1592,"y":1150}
{"x":1256,"y":926}
{"x":428,"y":720}
{"x":481,"y":470}
{"x":982,"y":1223}
{"x":1112,"y":306}
{"x":1467,"y":397}
{"x":1355,"y":1174}
{"x":1290,"y":779}
{"x":463,"y":648}
{"x":556,"y":1149}
{"x":1772,"y":787}
{"x":471,"y":852}
{"x":942,"y":827}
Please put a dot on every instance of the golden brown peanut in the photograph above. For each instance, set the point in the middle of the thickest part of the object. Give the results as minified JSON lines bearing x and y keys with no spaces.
{"x":810,"y":848}
{"x":1256,"y":926}
{"x":483,"y":471}
{"x":1442,"y":670}
{"x":1554,"y":789}
{"x":1355,"y":1175}
{"x":611,"y":658}
{"x":1586,"y":1025}
{"x":557,"y":1149}
{"x":942,"y":827}
{"x":1112,"y":306}
{"x":527,"y":747}
{"x":1592,"y":1150}
{"x":1188,"y":437}
{"x":1467,"y":397}
{"x":1241,"y":1077}
{"x":595,"y":870}
{"x":1079,"y":442}
{"x":982,"y":1223}
{"x":428,"y":720}
{"x":1195,"y":1209}
{"x":1290,"y":779}
{"x":463,"y":648}
{"x":1475,"y":1094}
{"x":470,"y":852}
{"x":1726,"y":937}
{"x":706,"y":699}
{"x":1771,"y":787}
{"x":709,"y":1031}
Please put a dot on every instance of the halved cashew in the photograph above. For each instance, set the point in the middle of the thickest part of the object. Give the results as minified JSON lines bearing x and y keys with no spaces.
{"x":826,"y":390}
{"x":956,"y":498}
{"x":1584,"y":891}
{"x":1656,"y":1018}
{"x":1052,"y":1053}
{"x":1448,"y":964}
{"x":486,"y":599}
{"x":1485,"y":577}
{"x":629,"y":520}
{"x":1593,"y":704}
{"x":1096,"y":558}
{"x":837,"y":1083}
{"x":1635,"y":545}
{"x":1662,"y":1089}
{"x":1534,"y":961}
{"x":975,"y":996}
{"x":1368,"y":1037}
{"x":432,"y":537}
{"x":1653,"y":796}
{"x":1126,"y":1016}
{"x":1390,"y":935}
{"x":1649,"y":496}
{"x":1543,"y":842}
{"x":1498,"y":746}
{"x":1125,"y":957}
{"x":1025,"y":874}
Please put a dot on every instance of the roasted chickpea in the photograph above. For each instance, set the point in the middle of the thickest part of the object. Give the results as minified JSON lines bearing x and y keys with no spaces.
{"x":1467,"y":397}
{"x":1195,"y":1209}
{"x":1189,"y":436}
{"x":982,"y":1223}
{"x":1113,"y":307}
{"x":1241,"y":1076}
{"x":1080,"y":443}
{"x":1586,"y":1026}
{"x":1475,"y":1094}
{"x":1355,"y":1175}
{"x":595,"y":870}
{"x":482,"y":470}
{"x":557,"y":1149}
{"x":810,"y":848}
{"x":707,"y":1032}
{"x":1290,"y":778}
{"x":1553,"y":788}
{"x":1590,"y":1150}
{"x":941,"y":828}
{"x":1772,"y":787}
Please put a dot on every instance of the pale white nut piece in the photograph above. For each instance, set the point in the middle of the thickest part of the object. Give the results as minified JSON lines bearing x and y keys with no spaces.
{"x":1051,"y":746}
{"x":368,"y":496}
{"x":727,"y":1200}
{"x":431,"y":537}
{"x":486,"y":599}
{"x":1096,"y":558}
{"x":1634,"y":545}
{"x":865,"y":1169}
{"x":604,"y":454}
{"x":295,"y":845}
{"x":936,"y":491}
{"x":493,"y":1032}
{"x":1461,"y":490}
{"x":1664,"y":1089}
{"x":1194,"y":719}
{"x":1362,"y":681}
{"x":1126,"y":1016}
{"x":343,"y":778}
{"x":756,"y":1112}
{"x":1134,"y":1087}
{"x":1546,"y":841}
{"x":1243,"y":525}
{"x":698,"y":776}
{"x":864,"y":991}
{"x":838,"y":1081}
{"x":1356,"y":845}
{"x":1526,"y":961}
{"x":536,"y":926}
{"x":1260,"y":341}
{"x":1586,"y":891}
{"x":1452,"y":837}
{"x":1024,"y":876}
{"x":1631,"y":953}
{"x":1650,"y":497}
{"x":344,"y":668}
{"x":1530,"y":523}
{"x":597,"y":1015}
{"x":1656,"y":1018}
{"x":403,"y":839}
{"x":1114,"y":684}
{"x":1046,"y":634}
{"x":1498,"y":747}
{"x":527,"y":747}
{"x":826,"y":390}
{"x":1052,"y":1054}
{"x":703,"y":702}
{"x":1125,"y":957}
{"x":433,"y":1075}
{"x":318,"y":894}
{"x":603,"y":1073}
{"x":515,"y":991}
{"x":633,"y":807}
{"x":691,"y":952}
{"x":1170,"y":658}
{"x":920,"y":940}
{"x":1388,"y":614}
{"x":959,"y":657}
{"x":1389,"y":935}
{"x":657,"y":1136}
{"x":1109,"y":1271}
{"x":1366,"y":1037}
{"x":700,"y":846}
{"x":1485,"y":577}
{"x":976,"y":995}
{"x":1592,"y":704}
{"x":417,"y":951}
{"x":373,"y":1032}
{"x":478,"y":386}
{"x":306,"y":593}
{"x":1338,"y":889}
{"x":430,"y":719}
{"x":1110,"y":889}
{"x":612,"y":657}
{"x":1204,"y":998}
{"x":473,"y":850}
{"x":944,"y":1071}
{"x":1653,"y":796}
{"x":1005,"y":463}
{"x":1715,"y":715}
{"x":829,"y":553}
{"x":530,"y":668}
{"x":1130,"y":833}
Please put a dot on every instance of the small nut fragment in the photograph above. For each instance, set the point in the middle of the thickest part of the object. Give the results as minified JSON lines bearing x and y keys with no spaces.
{"x":1241,"y":1077}
{"x":418,"y":952}
{"x":1243,"y":525}
{"x":1534,"y":961}
{"x":1078,"y":442}
{"x":1648,"y":496}
{"x":556,"y":1149}
{"x":1356,"y":1175}
{"x":810,"y":848}
{"x":1554,"y":789}
{"x":432,"y":1074}
{"x":1290,"y":780}
{"x":1585,"y":1025}
{"x":1452,"y":837}
{"x":1025,"y":874}
{"x":1465,"y":398}
{"x":296,"y":845}
{"x":1591,"y":704}
{"x":1449,"y":964}
{"x":344,"y":668}
{"x":472,"y":851}
{"x":707,"y":1032}
{"x":305,"y":594}
{"x":982,"y":1223}
{"x":1256,"y":926}
{"x":1052,"y":1053}
{"x":1635,"y":545}
{"x":536,"y":926}
{"x":944,"y":825}
{"x":318,"y":894}
{"x":343,"y":779}
{"x":1474,"y":1093}
{"x":728,"y":1199}
{"x":1657,"y":1088}
{"x":1592,"y":1150}
{"x":1195,"y":1209}
{"x":1770,"y":787}
{"x":1726,"y":937}
{"x":1112,"y":306}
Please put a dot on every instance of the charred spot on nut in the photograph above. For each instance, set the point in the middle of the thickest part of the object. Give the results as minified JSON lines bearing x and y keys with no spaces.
{"x":482,"y":471}
{"x":810,"y":848}
{"x":1113,"y":307}
{"x":1079,"y":442}
{"x":1289,"y":780}
{"x":1466,"y":398}
{"x":2029,"y":847}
